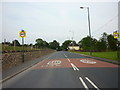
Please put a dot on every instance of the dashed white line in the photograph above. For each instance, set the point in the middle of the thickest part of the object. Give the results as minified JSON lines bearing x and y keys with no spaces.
{"x":67,"y":58}
{"x":74,"y":67}
{"x":92,"y":83}
{"x":85,"y":86}
{"x":65,"y":55}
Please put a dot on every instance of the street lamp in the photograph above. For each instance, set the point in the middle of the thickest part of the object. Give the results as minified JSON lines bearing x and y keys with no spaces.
{"x":73,"y":34}
{"x":72,"y":39}
{"x":89,"y":27}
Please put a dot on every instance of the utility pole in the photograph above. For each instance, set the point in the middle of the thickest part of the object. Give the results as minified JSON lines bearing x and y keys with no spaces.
{"x":72,"y":39}
{"x":89,"y":28}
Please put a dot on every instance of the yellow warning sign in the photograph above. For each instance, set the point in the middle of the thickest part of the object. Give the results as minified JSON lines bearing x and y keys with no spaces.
{"x":22,"y":34}
{"x":116,"y":35}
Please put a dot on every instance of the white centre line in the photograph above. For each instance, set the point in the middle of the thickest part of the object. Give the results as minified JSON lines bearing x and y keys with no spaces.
{"x":92,"y":83}
{"x":74,"y":67}
{"x":67,"y":58}
{"x":85,"y":86}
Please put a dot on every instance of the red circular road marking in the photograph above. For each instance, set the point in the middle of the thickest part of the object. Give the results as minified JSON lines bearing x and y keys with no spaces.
{"x":97,"y":64}
{"x":64,"y":63}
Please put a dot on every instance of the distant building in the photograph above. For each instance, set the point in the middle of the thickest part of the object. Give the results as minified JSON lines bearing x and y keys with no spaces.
{"x":73,"y":47}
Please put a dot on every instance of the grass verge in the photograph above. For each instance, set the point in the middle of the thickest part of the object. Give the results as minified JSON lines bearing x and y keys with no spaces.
{"x":107,"y":55}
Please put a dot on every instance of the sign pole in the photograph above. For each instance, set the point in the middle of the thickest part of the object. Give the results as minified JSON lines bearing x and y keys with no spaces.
{"x":22,"y":34}
{"x":23,"y":49}
{"x":117,"y":36}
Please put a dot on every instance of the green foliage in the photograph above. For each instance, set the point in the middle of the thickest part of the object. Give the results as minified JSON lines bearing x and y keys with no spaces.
{"x":88,"y":43}
{"x":112,"y":43}
{"x":16,"y":43}
{"x":108,"y":55}
{"x":65,"y":44}
{"x":106,"y":42}
{"x":41,"y":43}
{"x":54,"y":45}
{"x":101,"y":45}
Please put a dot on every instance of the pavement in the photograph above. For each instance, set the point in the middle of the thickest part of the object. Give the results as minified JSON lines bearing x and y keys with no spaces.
{"x":64,"y":70}
{"x":21,"y":67}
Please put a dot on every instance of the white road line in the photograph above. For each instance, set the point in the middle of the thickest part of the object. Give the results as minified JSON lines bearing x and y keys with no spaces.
{"x":65,"y":55}
{"x":83,"y":83}
{"x":74,"y":66}
{"x":92,"y":83}
{"x":67,"y":58}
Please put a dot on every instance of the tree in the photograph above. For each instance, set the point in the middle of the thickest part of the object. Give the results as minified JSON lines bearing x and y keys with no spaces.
{"x":65,"y":44}
{"x":85,"y":43}
{"x":30,"y":44}
{"x":45,"y":44}
{"x":104,"y":37}
{"x":54,"y":45}
{"x":112,"y":42}
{"x":101,"y":45}
{"x":104,"y":41}
{"x":7,"y":43}
{"x":88,"y":43}
{"x":16,"y":43}
{"x":39,"y":43}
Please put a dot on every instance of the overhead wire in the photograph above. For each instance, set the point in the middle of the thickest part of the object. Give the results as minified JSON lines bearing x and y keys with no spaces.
{"x":107,"y":23}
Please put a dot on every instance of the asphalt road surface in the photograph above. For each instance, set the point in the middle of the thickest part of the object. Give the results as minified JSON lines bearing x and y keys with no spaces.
{"x":67,"y":70}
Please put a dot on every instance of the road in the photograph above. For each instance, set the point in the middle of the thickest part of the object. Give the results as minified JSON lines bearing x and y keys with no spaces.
{"x":67,"y":70}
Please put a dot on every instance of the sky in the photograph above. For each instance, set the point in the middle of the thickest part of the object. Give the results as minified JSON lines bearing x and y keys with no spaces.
{"x":56,"y":20}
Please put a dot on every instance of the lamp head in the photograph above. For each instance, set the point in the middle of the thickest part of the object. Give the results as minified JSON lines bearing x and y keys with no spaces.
{"x":81,"y":7}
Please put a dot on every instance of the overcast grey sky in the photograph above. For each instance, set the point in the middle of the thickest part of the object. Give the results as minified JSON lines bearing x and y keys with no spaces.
{"x":54,"y":20}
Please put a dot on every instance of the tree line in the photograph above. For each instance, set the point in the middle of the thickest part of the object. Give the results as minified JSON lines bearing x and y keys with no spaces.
{"x":106,"y":42}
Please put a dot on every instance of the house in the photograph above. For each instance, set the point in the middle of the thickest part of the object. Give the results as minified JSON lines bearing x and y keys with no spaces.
{"x":74,"y":47}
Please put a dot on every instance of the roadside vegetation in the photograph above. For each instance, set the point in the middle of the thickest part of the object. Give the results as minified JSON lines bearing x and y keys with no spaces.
{"x":112,"y":55}
{"x":39,"y":45}
{"x":105,"y":47}
{"x":17,"y":48}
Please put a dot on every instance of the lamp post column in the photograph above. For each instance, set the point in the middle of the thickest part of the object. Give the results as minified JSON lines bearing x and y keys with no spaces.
{"x":89,"y":31}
